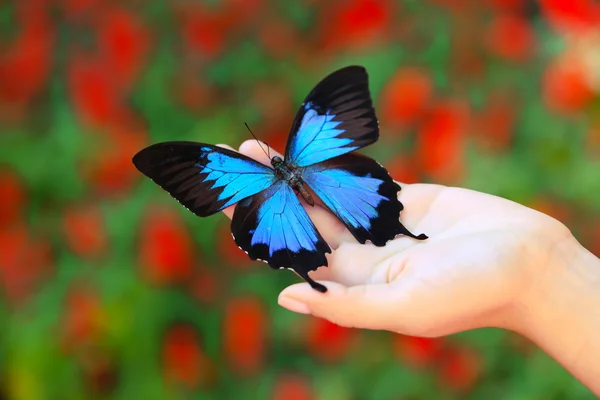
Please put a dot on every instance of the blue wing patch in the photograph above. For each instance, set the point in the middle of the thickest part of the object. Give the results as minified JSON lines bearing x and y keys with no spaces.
{"x":361,"y":194}
{"x":337,"y":117}
{"x":272,"y":226}
{"x":204,"y":178}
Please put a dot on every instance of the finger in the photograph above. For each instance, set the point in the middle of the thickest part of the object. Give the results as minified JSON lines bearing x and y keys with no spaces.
{"x":363,"y":306}
{"x":332,"y":230}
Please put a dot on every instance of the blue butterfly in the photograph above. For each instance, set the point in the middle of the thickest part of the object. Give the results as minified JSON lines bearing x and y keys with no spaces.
{"x":269,"y":222}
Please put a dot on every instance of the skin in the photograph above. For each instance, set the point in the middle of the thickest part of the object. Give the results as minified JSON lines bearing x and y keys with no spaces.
{"x":488,"y":262}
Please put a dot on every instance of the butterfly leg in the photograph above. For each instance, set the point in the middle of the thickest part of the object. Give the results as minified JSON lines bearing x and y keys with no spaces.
{"x":317,"y":286}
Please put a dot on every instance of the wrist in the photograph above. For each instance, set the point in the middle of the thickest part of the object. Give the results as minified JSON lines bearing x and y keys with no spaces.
{"x":561,"y":310}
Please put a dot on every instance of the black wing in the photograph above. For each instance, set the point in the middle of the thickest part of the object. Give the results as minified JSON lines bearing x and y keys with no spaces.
{"x":272,"y":226}
{"x":361,"y":193}
{"x":336,"y":118}
{"x":204,"y":178}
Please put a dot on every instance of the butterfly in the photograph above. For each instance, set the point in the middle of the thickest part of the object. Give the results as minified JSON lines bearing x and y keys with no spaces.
{"x":269,"y":222}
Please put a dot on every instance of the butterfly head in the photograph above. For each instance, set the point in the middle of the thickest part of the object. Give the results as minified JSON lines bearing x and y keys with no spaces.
{"x":276,"y":162}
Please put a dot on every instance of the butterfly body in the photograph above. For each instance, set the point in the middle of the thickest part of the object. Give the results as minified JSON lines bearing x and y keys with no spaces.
{"x":292,"y":176}
{"x":269,"y":222}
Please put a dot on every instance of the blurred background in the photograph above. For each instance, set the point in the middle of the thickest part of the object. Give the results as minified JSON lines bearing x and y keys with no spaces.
{"x":109,"y":289}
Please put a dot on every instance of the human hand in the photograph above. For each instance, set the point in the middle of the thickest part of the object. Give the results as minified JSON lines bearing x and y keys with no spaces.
{"x":482,"y":256}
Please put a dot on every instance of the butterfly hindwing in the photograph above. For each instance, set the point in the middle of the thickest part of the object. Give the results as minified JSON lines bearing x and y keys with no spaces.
{"x":204,"y":178}
{"x":361,"y":193}
{"x":272,"y":226}
{"x":337,"y":117}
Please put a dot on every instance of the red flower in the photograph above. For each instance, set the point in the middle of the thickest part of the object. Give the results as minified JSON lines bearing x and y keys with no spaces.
{"x":406,"y":95}
{"x":566,"y":88}
{"x":571,"y":16}
{"x":402,"y":168}
{"x":108,"y":167}
{"x":279,"y":38}
{"x":511,"y":37}
{"x":493,"y":126}
{"x":166,"y":250}
{"x":244,"y":334}
{"x":96,"y":97}
{"x":24,"y":262}
{"x":84,"y":230}
{"x":75,"y":9}
{"x":203,"y":30}
{"x":25,"y":64}
{"x":417,"y":352}
{"x":228,"y":250}
{"x":328,"y":341}
{"x":83,"y":319}
{"x":292,"y":387}
{"x":507,"y":5}
{"x":12,"y":197}
{"x":355,"y":23}
{"x":440,"y":142}
{"x":183,"y":360}
{"x":460,"y":368}
{"x":124,"y":43}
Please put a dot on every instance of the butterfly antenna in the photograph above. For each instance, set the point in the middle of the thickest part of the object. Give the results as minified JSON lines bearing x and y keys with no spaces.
{"x":268,"y":152}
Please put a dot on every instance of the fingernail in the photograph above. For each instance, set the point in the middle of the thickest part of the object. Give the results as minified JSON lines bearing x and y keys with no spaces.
{"x":293,"y":305}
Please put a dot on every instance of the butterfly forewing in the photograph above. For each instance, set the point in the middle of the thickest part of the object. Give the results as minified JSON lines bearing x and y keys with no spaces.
{"x":337,"y":117}
{"x":204,"y":178}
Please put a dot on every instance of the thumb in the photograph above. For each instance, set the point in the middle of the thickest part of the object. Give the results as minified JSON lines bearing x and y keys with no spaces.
{"x":363,"y":306}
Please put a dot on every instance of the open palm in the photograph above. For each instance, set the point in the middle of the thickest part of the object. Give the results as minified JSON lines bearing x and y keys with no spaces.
{"x":483,"y":252}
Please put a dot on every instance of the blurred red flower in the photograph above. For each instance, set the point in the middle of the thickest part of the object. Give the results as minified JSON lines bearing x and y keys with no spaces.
{"x":96,"y":97}
{"x":507,"y":5}
{"x":279,"y":38}
{"x":12,"y":197}
{"x":203,"y":29}
{"x":124,"y":43}
{"x":25,"y":261}
{"x":107,"y":165}
{"x":571,"y":16}
{"x":328,"y":341}
{"x":402,"y":168}
{"x":292,"y":387}
{"x":511,"y":37}
{"x":76,"y":9}
{"x":440,"y":142}
{"x":183,"y":360}
{"x":100,"y":371}
{"x":406,"y":95}
{"x":492,"y":127}
{"x":460,"y":368}
{"x":84,"y":230}
{"x":355,"y":23}
{"x":83,"y":318}
{"x":25,"y":64}
{"x":417,"y":352}
{"x":244,"y":334}
{"x":565,"y":86}
{"x":166,"y":254}
{"x":228,"y":250}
